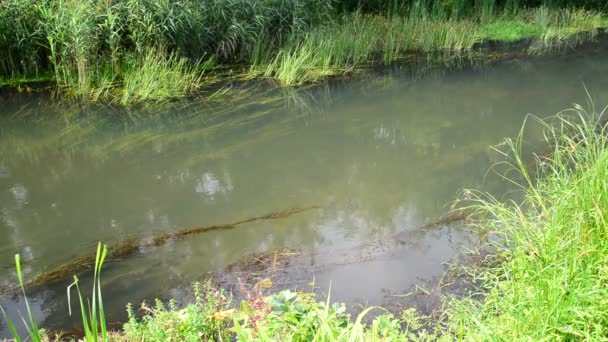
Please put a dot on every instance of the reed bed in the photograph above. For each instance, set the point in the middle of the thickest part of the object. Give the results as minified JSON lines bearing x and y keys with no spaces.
{"x":95,"y":49}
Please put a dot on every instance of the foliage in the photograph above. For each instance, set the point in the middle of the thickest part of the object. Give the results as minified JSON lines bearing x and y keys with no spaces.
{"x":284,"y":316}
{"x":359,"y":39}
{"x":206,"y":319}
{"x":93,"y":46}
{"x":551,"y":283}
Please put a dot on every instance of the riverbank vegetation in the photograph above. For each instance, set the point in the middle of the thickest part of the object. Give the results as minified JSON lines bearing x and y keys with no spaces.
{"x":547,"y":279}
{"x":130,"y":51}
{"x":551,"y":281}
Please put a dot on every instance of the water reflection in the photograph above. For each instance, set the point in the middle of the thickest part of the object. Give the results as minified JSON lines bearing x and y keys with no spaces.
{"x":380,"y":156}
{"x":209,"y":185}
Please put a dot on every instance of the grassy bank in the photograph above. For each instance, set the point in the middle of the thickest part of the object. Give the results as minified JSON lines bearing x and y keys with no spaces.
{"x":129,"y":51}
{"x":548,"y":279}
{"x":360,"y":40}
{"x":552,"y":282}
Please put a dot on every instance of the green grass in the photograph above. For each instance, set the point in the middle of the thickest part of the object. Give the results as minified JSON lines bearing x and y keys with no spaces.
{"x":509,"y":31}
{"x":157,"y":77}
{"x":93,"y":315}
{"x":358,"y":40}
{"x":552,"y":281}
{"x":94,"y":47}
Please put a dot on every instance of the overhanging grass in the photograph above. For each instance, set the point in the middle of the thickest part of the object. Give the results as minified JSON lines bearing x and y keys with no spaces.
{"x":157,"y":77}
{"x":359,"y":39}
{"x":552,"y":283}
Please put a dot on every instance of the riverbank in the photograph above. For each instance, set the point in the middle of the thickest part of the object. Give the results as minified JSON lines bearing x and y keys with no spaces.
{"x":129,"y":52}
{"x":546,"y":278}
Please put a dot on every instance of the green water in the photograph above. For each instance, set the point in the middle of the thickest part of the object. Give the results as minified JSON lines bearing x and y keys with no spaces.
{"x":380,"y":156}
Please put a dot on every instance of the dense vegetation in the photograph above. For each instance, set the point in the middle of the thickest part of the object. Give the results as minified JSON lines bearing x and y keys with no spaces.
{"x":547,"y":279}
{"x":551,"y":283}
{"x":134,"y":50}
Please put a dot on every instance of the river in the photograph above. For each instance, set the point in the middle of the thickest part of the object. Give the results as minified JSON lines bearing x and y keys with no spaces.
{"x":380,"y":156}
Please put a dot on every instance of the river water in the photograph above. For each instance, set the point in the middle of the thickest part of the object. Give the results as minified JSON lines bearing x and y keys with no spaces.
{"x":379,"y":157}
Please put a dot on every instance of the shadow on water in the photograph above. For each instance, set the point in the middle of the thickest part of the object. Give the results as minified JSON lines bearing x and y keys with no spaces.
{"x":380,"y":156}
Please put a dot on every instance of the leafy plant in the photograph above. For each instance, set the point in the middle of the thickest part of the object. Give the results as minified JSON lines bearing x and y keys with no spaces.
{"x":93,"y":315}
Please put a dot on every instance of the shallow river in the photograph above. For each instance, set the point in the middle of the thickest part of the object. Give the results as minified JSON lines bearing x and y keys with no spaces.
{"x":380,"y":157}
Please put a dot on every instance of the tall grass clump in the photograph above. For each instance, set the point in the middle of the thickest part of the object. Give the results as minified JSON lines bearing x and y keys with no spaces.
{"x":426,"y":27}
{"x":155,"y":76}
{"x":559,"y":25}
{"x":92,"y":310}
{"x":31,"y":326}
{"x":458,"y":8}
{"x":20,"y":39}
{"x":359,"y":39}
{"x":551,"y":283}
